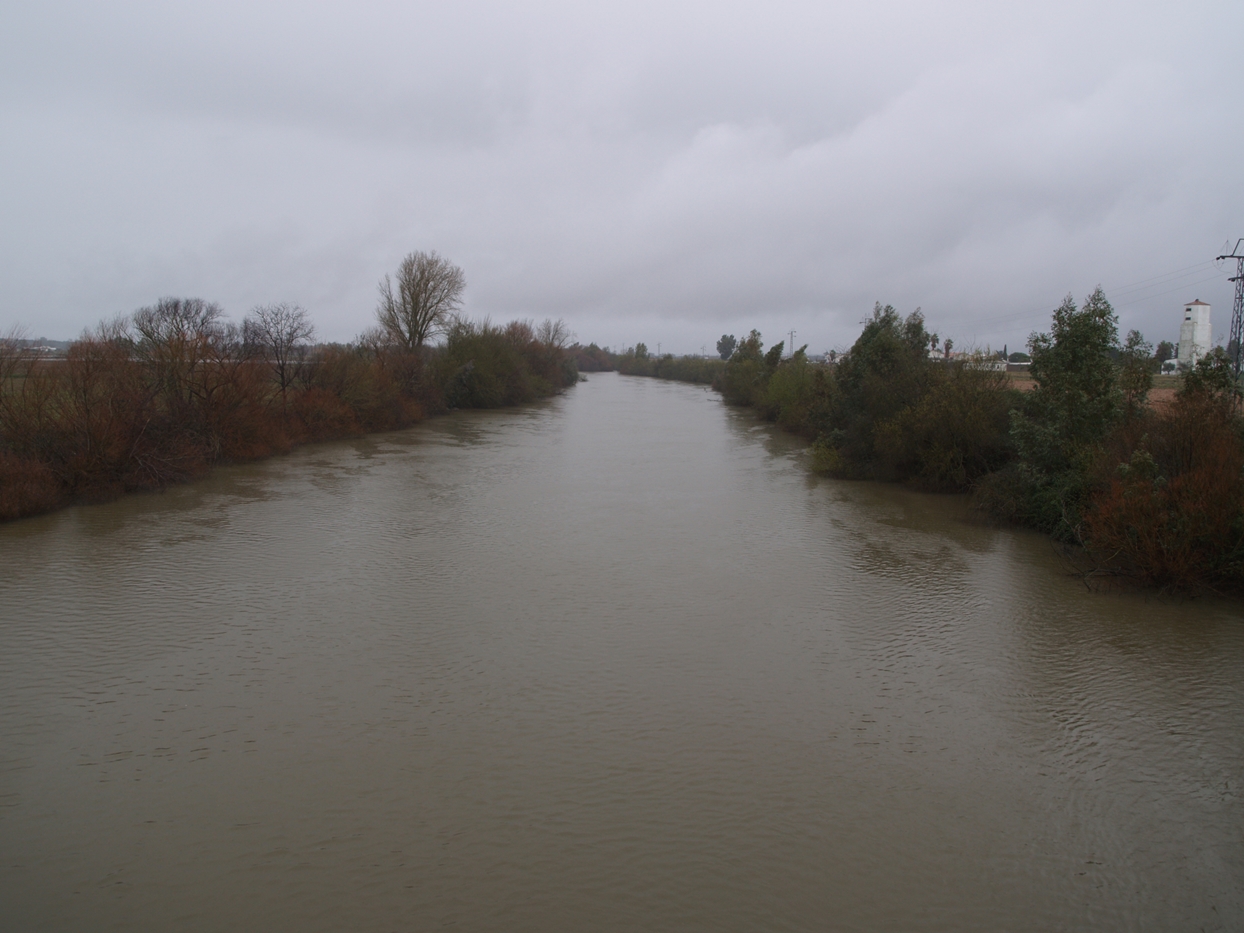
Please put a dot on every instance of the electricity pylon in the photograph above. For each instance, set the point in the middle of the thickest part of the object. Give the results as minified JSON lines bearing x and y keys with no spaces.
{"x":1237,"y":310}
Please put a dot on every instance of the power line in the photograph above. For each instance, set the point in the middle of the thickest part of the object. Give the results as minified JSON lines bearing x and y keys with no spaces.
{"x":1120,"y":293}
{"x":1178,"y":280}
{"x":1185,"y":269}
{"x":1182,"y":287}
{"x":1237,"y":311}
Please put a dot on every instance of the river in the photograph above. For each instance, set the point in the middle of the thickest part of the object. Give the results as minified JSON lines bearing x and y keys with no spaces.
{"x":617,"y":661}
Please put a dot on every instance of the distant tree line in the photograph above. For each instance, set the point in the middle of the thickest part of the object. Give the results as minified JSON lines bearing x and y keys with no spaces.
{"x":637,"y":361}
{"x":1151,"y":492}
{"x":593,"y":359}
{"x":160,"y":395}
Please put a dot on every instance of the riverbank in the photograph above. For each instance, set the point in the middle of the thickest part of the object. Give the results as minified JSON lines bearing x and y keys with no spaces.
{"x":124,"y":412}
{"x":1149,"y":485}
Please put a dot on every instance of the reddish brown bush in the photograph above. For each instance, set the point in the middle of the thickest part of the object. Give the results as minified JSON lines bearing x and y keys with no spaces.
{"x":27,"y":487}
{"x":321,"y":415}
{"x":159,"y":396}
{"x":1173,"y":512}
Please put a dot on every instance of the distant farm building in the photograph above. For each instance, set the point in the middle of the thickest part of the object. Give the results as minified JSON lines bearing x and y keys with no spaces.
{"x":971,"y":359}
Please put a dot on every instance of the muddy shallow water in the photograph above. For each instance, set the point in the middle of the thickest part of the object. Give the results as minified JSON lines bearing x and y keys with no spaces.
{"x":613,"y":662}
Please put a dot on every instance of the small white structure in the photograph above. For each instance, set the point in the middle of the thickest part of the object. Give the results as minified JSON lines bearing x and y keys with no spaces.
{"x":989,"y":363}
{"x":1194,"y":334}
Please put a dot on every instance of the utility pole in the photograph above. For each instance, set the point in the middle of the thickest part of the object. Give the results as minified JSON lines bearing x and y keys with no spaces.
{"x":792,"y":343}
{"x":1237,"y":311}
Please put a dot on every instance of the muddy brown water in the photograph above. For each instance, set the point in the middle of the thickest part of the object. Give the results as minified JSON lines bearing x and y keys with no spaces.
{"x":613,"y":662}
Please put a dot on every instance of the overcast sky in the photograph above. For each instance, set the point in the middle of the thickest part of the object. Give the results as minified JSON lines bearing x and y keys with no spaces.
{"x":663,"y":172}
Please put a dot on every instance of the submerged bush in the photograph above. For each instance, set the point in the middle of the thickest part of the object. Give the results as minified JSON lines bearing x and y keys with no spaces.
{"x":636,"y":361}
{"x":482,"y":366}
{"x":886,"y":372}
{"x":27,"y":487}
{"x":593,"y":359}
{"x":1060,"y":426}
{"x":954,"y":434}
{"x":745,"y":376}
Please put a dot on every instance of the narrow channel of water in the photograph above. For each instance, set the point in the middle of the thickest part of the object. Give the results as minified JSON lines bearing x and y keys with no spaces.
{"x":615,"y":662}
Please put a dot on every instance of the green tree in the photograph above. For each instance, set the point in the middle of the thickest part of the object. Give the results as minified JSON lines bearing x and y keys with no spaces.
{"x":1135,"y":374}
{"x":745,"y":375}
{"x":726,"y":345}
{"x":749,"y":348}
{"x":1059,"y":430}
{"x":886,"y":372}
{"x":1213,"y":377}
{"x":1077,"y":397}
{"x":774,"y":356}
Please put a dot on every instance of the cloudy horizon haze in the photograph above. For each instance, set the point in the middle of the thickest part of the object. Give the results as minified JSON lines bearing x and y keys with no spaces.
{"x":657,"y":172}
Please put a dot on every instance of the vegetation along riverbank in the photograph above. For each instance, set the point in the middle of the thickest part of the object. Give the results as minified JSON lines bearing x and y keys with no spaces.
{"x":160,"y":395}
{"x":1151,"y":492}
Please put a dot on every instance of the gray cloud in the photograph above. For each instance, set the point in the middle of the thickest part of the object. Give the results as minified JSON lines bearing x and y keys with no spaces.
{"x":658,"y":172}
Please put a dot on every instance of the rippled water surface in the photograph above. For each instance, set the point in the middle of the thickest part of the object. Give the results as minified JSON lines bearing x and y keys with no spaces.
{"x":617,"y":662}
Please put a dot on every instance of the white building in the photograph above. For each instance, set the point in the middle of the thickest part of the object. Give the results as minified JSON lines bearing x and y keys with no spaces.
{"x":1194,"y":334}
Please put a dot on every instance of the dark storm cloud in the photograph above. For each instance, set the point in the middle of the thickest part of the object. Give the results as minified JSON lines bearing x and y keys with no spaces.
{"x":657,"y":172}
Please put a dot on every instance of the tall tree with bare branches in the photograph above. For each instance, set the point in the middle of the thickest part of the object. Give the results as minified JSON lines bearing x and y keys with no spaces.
{"x":280,"y":334}
{"x":175,"y":338}
{"x":425,"y":301}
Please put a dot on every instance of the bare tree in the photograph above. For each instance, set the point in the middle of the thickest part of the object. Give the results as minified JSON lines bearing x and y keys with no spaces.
{"x":428,"y":296}
{"x":174,"y":341}
{"x":374,"y":341}
{"x":553,"y":334}
{"x":13,"y":355}
{"x":279,"y":334}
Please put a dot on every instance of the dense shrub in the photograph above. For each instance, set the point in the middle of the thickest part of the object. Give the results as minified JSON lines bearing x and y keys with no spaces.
{"x":27,"y":487}
{"x":593,"y":359}
{"x":954,"y":434}
{"x":162,"y":395}
{"x":369,"y":381}
{"x":482,"y":366}
{"x":745,"y":376}
{"x":1168,"y":504}
{"x":694,"y":369}
{"x":790,"y":392}
{"x":1156,"y":495}
{"x":886,"y":372}
{"x":886,"y":410}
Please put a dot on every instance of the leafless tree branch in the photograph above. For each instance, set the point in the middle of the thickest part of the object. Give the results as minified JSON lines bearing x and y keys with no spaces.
{"x":427,"y":298}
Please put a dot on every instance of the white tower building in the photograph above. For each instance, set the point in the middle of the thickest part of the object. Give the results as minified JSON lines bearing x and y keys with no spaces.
{"x":1194,"y":335}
